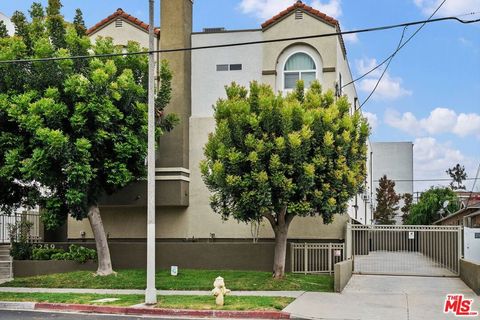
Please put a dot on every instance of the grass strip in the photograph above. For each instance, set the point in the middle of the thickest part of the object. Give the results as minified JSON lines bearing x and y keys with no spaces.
{"x":170,"y":302}
{"x":186,"y":280}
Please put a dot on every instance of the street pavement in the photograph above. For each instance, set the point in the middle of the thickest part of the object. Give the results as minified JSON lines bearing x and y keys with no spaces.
{"x":384,"y":297}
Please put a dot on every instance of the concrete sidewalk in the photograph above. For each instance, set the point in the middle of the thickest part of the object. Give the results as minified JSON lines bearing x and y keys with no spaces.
{"x":383,"y":297}
{"x":288,"y":294}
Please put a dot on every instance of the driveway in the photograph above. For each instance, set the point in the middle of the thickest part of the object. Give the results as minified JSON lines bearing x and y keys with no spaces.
{"x":384,"y":297}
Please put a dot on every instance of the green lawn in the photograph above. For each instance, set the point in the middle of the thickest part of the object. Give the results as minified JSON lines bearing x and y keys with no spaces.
{"x":170,"y":302}
{"x":186,"y":280}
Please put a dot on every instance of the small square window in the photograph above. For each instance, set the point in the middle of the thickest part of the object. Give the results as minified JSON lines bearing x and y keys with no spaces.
{"x":235,"y":67}
{"x":222,"y":67}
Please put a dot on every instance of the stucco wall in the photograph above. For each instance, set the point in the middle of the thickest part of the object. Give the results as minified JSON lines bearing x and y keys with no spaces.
{"x":290,"y":27}
{"x":395,"y":159}
{"x":208,"y":84}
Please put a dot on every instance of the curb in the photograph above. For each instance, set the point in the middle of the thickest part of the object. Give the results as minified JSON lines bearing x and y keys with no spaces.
{"x":163,"y":312}
{"x":17,"y":305}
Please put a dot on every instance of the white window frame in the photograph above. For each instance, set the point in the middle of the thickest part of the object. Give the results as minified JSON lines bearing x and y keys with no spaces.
{"x":289,"y":52}
{"x":298,"y":71}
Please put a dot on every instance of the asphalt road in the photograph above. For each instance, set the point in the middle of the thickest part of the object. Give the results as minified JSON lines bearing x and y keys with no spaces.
{"x":38,"y":315}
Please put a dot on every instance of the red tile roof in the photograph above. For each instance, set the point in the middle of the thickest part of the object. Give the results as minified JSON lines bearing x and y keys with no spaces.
{"x":121,"y":14}
{"x":309,"y":10}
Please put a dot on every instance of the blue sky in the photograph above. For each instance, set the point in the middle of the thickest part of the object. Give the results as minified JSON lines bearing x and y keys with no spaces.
{"x":430,"y":94}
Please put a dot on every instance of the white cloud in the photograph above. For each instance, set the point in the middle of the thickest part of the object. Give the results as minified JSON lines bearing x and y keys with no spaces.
{"x":265,"y":9}
{"x":440,"y":120}
{"x":372,"y":119}
{"x":332,"y":8}
{"x":432,"y":158}
{"x":449,"y":8}
{"x":350,"y":38}
{"x":390,"y":88}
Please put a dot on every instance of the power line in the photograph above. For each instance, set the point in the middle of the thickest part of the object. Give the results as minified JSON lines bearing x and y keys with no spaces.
{"x":399,"y":47}
{"x":384,"y":70}
{"x":474,"y":182}
{"x":241,"y":43}
{"x":425,"y":180}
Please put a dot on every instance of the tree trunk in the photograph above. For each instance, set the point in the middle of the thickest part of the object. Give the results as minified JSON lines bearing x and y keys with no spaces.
{"x":280,"y":223}
{"x":103,"y":252}
{"x":281,"y":235}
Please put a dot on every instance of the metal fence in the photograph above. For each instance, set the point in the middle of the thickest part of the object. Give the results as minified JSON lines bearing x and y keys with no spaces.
{"x":405,"y":250}
{"x":315,"y":257}
{"x":35,"y":234}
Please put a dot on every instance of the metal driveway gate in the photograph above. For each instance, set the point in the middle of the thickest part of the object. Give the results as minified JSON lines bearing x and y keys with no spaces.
{"x":315,"y":257}
{"x":405,"y":250}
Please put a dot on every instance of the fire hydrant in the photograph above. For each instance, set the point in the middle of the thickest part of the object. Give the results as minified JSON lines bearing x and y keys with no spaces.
{"x":219,"y":291}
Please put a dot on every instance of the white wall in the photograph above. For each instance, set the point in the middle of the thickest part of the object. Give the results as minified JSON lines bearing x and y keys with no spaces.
{"x":8,"y":24}
{"x":208,"y":84}
{"x":395,"y":159}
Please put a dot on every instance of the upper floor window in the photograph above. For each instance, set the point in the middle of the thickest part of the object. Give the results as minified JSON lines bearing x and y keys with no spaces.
{"x":299,"y":66}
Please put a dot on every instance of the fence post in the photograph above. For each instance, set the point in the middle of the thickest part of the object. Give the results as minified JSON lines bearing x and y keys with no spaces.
{"x":348,"y":241}
{"x":460,"y":248}
{"x":305,"y":258}
{"x":330,"y":258}
{"x":292,"y":256}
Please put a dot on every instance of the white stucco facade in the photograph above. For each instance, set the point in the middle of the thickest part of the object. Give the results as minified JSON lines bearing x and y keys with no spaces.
{"x":395,"y":160}
{"x":8,"y":23}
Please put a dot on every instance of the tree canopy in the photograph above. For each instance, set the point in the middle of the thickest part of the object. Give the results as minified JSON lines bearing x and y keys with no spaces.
{"x":277,"y":157}
{"x":458,"y":175}
{"x":71,"y":132}
{"x":387,"y":202}
{"x":430,"y":206}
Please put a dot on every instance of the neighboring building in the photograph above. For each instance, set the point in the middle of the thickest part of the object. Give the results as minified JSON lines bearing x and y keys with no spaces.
{"x":395,"y":160}
{"x":467,"y":216}
{"x":8,"y":23}
{"x":183,"y":211}
{"x":467,"y":198}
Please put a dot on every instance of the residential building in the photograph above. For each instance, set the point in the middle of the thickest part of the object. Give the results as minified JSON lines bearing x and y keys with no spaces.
{"x":183,"y":210}
{"x":395,"y":160}
{"x":8,"y":23}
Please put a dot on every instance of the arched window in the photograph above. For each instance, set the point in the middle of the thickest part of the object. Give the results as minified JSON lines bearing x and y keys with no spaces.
{"x":299,"y":66}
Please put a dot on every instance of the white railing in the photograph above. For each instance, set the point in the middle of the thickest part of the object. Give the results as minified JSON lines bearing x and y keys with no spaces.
{"x":35,"y":234}
{"x":315,"y":257}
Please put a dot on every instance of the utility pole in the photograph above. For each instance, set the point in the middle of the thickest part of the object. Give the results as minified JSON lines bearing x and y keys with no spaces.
{"x":151,"y":291}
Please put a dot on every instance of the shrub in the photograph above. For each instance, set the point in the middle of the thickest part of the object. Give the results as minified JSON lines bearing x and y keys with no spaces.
{"x":19,"y":233}
{"x":76,"y":253}
{"x":45,"y":252}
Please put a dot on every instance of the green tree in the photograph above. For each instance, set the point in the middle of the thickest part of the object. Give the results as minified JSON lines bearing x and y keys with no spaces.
{"x":67,"y":142}
{"x":3,"y":30}
{"x":431,"y":204}
{"x":79,"y":23}
{"x":56,"y":24}
{"x":387,"y":202}
{"x":277,"y":157}
{"x":37,"y":25}
{"x":458,"y":175}
{"x":22,"y":26}
{"x":407,"y":206}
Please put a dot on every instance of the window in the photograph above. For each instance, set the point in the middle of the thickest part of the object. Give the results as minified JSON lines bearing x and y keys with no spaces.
{"x":235,"y":67}
{"x":299,"y":66}
{"x":222,"y":67}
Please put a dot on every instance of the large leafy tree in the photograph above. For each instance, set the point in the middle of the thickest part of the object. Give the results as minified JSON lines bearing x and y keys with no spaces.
{"x":458,"y":175}
{"x":432,"y":204}
{"x":277,"y":157}
{"x":70,"y":135}
{"x":387,"y":202}
{"x":3,"y":30}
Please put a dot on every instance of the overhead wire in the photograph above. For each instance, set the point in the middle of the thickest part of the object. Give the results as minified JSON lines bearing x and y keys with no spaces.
{"x":339,"y":33}
{"x":390,"y":58}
